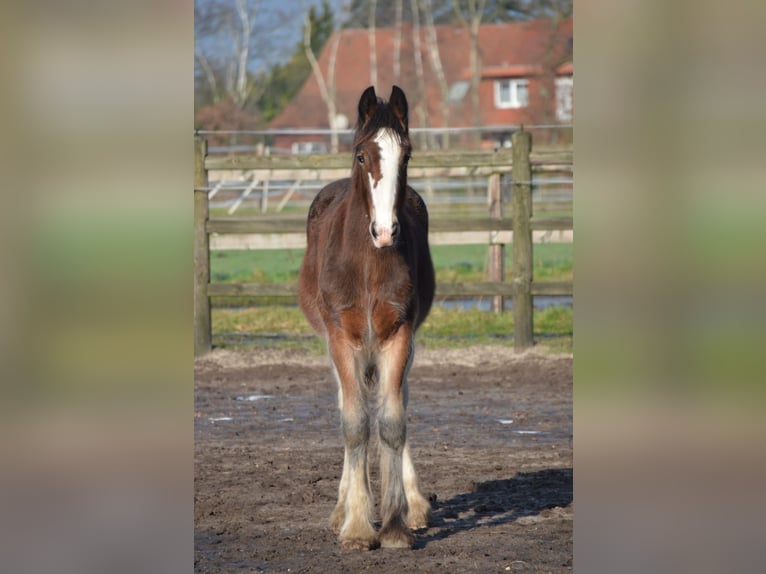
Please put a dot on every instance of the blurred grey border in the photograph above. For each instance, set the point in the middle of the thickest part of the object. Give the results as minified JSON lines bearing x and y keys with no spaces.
{"x":97,"y":369}
{"x":670,"y":284}
{"x":96,"y":289}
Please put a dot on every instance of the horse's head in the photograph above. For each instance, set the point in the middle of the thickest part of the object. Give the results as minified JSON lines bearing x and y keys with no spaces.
{"x":381,"y":152}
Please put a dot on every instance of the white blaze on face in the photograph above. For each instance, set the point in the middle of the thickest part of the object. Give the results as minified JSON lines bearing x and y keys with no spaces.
{"x":384,"y":190}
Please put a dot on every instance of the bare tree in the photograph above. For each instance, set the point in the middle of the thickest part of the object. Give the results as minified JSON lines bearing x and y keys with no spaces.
{"x":241,"y":90}
{"x":557,"y":9}
{"x":472,"y":20}
{"x":209,"y":74}
{"x":326,"y":89}
{"x":436,"y":64}
{"x":210,"y":19}
{"x":398,"y":6}
{"x":553,"y":56}
{"x":420,"y":110}
{"x":373,"y":52}
{"x":232,"y":38}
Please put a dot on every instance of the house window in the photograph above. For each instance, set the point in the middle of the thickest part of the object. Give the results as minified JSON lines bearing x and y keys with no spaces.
{"x":511,"y":93}
{"x":564,"y":99}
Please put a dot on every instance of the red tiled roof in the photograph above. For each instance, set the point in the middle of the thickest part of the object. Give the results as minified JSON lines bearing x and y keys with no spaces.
{"x":509,"y":71}
{"x":537,"y":45}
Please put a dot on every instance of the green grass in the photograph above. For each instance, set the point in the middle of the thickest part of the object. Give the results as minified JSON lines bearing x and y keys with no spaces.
{"x":266,"y":266}
{"x":552,"y":262}
{"x":270,"y":322}
{"x":459,"y":328}
{"x":286,"y":326}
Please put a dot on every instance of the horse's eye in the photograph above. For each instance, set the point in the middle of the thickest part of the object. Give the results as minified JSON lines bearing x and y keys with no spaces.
{"x":360,"y":158}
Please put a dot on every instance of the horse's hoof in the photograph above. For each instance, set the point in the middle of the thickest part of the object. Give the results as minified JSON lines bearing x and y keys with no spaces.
{"x":396,"y":536}
{"x":419,"y":515}
{"x":358,"y":536}
{"x":358,"y":544}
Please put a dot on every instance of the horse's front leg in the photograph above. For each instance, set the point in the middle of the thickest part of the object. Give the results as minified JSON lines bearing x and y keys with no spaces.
{"x":418,"y":507}
{"x":393,"y":366}
{"x":352,"y":516}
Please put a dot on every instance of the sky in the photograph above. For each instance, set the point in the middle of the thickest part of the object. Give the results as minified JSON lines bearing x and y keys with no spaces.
{"x":278,"y":26}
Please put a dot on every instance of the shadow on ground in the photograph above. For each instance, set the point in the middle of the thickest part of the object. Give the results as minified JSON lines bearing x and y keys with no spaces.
{"x":500,"y":501}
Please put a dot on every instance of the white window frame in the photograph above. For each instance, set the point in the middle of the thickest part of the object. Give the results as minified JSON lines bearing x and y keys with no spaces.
{"x":514,"y":101}
{"x":564,"y":98}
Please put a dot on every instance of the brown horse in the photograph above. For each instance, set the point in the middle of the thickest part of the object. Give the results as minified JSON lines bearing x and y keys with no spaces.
{"x":366,"y":285}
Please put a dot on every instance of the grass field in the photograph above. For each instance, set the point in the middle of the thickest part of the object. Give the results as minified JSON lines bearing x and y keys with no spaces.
{"x":266,"y":322}
{"x":286,"y":327}
{"x":553,"y":262}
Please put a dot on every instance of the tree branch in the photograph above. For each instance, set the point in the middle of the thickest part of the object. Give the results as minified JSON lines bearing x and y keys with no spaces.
{"x":207,"y":70}
{"x":246,"y":29}
{"x":420,"y":109}
{"x":327,"y":95}
{"x":436,"y":65}
{"x":397,"y":39}
{"x":373,"y":51}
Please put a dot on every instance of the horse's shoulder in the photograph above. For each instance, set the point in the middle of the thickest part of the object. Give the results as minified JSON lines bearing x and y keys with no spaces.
{"x":326,"y":196}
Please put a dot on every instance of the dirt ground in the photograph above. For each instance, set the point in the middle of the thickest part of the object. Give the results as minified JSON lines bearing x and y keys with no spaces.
{"x":491,"y":437}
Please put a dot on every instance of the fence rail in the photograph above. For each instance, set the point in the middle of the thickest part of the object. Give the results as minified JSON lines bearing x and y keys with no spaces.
{"x":443,"y":290}
{"x":257,"y":225}
{"x":497,"y":230}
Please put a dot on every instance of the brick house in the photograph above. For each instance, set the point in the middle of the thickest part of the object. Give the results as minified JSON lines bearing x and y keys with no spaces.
{"x":526,"y":78}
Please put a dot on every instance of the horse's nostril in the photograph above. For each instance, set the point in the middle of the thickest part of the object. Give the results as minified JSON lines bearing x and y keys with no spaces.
{"x":372,"y":230}
{"x":394,"y":228}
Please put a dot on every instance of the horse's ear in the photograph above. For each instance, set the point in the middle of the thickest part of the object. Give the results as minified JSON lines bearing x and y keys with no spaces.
{"x":398,"y":102}
{"x":367,"y":105}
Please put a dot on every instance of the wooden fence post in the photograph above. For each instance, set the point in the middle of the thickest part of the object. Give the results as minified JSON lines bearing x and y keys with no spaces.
{"x":265,"y":197}
{"x":202,"y":323}
{"x":496,"y":250}
{"x":522,"y":239}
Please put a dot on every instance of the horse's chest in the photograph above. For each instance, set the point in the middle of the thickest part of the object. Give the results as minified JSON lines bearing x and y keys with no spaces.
{"x":373,"y":306}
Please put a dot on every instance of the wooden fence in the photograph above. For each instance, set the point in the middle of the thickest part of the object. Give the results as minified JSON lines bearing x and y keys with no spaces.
{"x":249,"y":232}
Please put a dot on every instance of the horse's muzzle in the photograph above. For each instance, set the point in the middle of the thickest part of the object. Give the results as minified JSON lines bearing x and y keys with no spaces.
{"x":383,"y":236}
